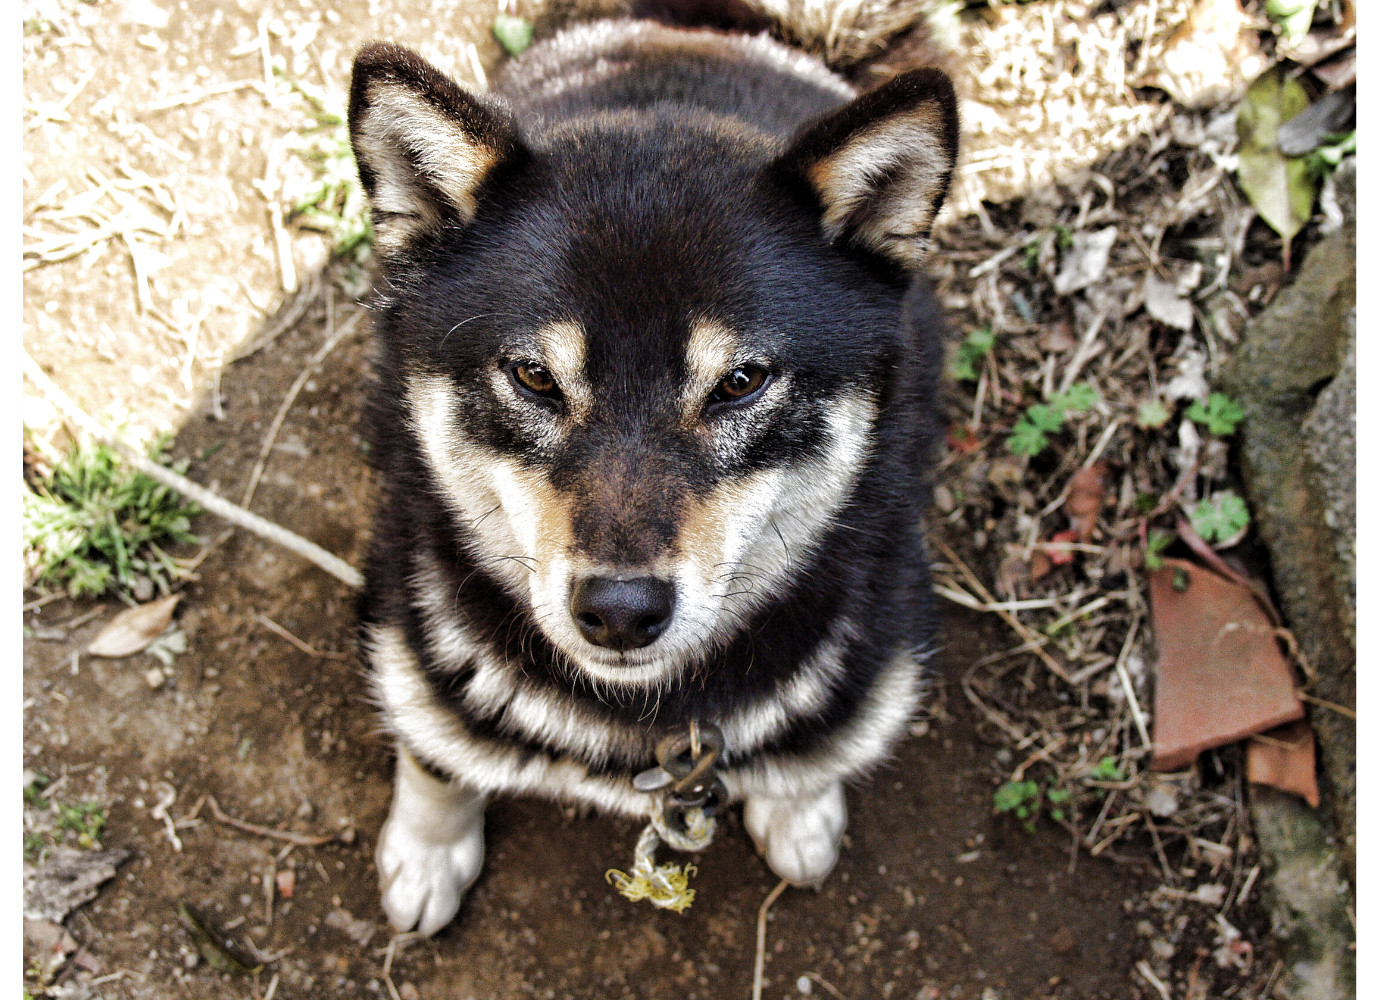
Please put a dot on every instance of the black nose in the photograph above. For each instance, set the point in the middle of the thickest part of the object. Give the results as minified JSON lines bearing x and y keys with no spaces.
{"x":622,"y":614}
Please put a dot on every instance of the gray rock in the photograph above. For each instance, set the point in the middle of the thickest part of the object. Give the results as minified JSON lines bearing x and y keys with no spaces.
{"x":1307,"y":896}
{"x":66,"y":879}
{"x":1294,"y":374}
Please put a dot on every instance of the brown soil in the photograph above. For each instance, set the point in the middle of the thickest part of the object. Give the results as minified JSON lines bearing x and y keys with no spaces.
{"x":934,"y":896}
{"x":933,"y":893}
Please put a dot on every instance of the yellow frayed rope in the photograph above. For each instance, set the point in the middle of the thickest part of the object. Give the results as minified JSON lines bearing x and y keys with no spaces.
{"x":666,"y":886}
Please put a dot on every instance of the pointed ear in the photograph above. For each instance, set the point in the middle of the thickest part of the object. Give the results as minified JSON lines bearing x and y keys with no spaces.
{"x":423,"y":145}
{"x":880,"y":165}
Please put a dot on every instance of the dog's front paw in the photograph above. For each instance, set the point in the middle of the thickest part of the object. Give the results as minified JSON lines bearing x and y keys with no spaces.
{"x":422,"y":880}
{"x":799,"y":837}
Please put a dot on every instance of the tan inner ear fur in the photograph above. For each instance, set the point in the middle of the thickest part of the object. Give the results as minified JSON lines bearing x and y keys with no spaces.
{"x":398,"y":122}
{"x":893,"y":214}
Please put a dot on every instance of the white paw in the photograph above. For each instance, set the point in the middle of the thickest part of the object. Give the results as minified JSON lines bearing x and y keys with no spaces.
{"x":423,"y":881}
{"x":799,"y":837}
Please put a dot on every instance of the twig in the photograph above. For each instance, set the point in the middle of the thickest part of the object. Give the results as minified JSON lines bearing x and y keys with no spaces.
{"x":51,"y":112}
{"x":213,"y":502}
{"x":56,"y":595}
{"x":406,"y":937}
{"x":201,"y":94}
{"x":1314,"y":700}
{"x":1131,"y":700}
{"x":271,"y":437}
{"x":300,"y":839}
{"x":829,"y":987}
{"x":1143,"y":967}
{"x":283,"y":633}
{"x":287,"y":316}
{"x":759,"y":964}
{"x":1021,"y":629}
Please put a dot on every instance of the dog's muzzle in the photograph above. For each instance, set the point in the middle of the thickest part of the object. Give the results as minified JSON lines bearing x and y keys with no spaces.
{"x":622,"y":614}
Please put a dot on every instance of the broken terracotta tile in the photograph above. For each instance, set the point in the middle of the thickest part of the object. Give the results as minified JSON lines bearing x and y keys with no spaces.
{"x":1285,"y":758}
{"x":1221,"y":675}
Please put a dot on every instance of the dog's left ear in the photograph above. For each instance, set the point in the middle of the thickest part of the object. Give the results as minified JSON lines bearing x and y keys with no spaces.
{"x":880,"y":165}
{"x":423,"y":145}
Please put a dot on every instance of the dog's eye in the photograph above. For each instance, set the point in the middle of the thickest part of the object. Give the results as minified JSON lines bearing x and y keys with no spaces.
{"x":739,"y":385}
{"x":535,"y":379}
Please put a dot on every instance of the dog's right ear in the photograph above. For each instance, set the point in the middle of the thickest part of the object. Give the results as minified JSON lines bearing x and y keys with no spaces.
{"x":423,"y":145}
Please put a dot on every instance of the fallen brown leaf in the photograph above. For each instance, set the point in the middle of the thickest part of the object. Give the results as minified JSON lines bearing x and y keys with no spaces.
{"x":1087,"y":492}
{"x":133,"y":629}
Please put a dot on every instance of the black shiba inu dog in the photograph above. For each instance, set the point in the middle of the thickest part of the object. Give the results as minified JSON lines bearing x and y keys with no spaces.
{"x":652,"y":412}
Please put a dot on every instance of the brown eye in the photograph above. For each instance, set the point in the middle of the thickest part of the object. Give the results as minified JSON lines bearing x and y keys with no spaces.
{"x":739,"y":384}
{"x":534,"y":378}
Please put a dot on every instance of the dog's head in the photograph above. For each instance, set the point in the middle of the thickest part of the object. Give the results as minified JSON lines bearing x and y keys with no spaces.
{"x":643,"y":355}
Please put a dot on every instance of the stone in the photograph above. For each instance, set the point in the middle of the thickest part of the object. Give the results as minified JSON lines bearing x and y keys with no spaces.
{"x":1307,"y":896}
{"x":1294,"y":376}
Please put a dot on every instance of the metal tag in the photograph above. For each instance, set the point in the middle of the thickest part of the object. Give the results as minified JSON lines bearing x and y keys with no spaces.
{"x":653,"y":779}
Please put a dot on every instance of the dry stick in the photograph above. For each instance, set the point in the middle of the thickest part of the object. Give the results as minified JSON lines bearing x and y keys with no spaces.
{"x":1121,"y":671}
{"x":1340,"y":709}
{"x":213,"y":502}
{"x":1020,"y":629}
{"x":761,"y":961}
{"x":305,"y":647}
{"x":300,"y":839}
{"x":271,"y":437}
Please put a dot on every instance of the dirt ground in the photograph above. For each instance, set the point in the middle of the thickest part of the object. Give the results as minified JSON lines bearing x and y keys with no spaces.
{"x":933,"y":892}
{"x":935,"y":896}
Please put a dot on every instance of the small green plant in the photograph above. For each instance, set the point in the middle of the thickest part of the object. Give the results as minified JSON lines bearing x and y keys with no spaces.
{"x":1152,"y":415}
{"x":1107,"y":769}
{"x":1220,"y":415}
{"x":1221,"y":517}
{"x":975,"y":346}
{"x":85,"y":819}
{"x":1031,"y":433}
{"x":334,"y":203}
{"x":1020,"y":798}
{"x":1155,"y":544}
{"x":95,"y":525}
{"x":513,"y":33}
{"x":1325,"y":159}
{"x":33,"y":791}
{"x":34,"y":847}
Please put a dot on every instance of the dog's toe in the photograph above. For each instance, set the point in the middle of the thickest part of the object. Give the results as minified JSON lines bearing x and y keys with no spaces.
{"x":423,"y":882}
{"x":799,"y":837}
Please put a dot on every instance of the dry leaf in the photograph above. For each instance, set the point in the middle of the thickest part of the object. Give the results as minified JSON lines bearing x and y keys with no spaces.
{"x":1164,"y":302}
{"x":1282,"y":190}
{"x":1087,"y":491}
{"x":1085,"y":262}
{"x":132,"y":630}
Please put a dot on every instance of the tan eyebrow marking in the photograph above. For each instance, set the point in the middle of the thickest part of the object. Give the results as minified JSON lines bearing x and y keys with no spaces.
{"x":709,"y":354}
{"x":562,"y":346}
